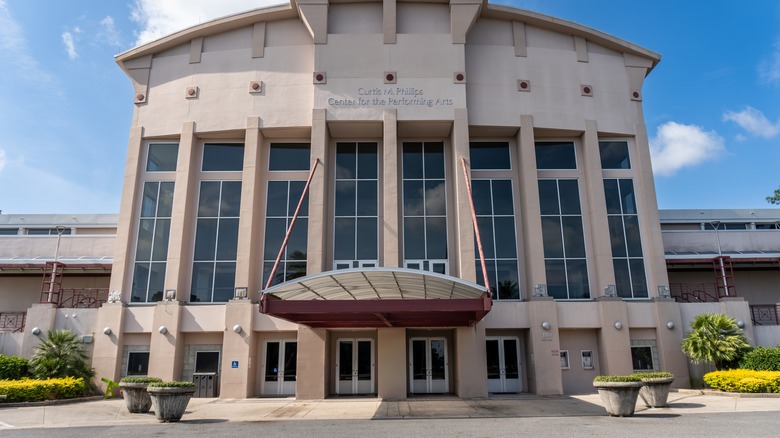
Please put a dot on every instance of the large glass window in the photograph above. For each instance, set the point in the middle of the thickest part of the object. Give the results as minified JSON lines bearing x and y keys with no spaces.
{"x":216,"y":241}
{"x":564,"y":242}
{"x":47,"y":231}
{"x":282,"y":199}
{"x":151,"y":252}
{"x":625,"y":238}
{"x":162,"y":157}
{"x":289,"y":156}
{"x":494,"y":205}
{"x":555,"y":156}
{"x":614,"y":155}
{"x":228,"y":157}
{"x":138,"y":363}
{"x":424,"y":207}
{"x":355,"y":237}
{"x":489,"y":156}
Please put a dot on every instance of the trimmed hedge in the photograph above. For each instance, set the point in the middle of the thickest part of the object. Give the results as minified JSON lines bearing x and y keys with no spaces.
{"x":656,"y":375}
{"x":631,"y":378}
{"x":29,"y":390}
{"x":171,"y":384}
{"x":761,"y":359}
{"x":13,"y":368}
{"x":140,"y":380}
{"x":744,"y":380}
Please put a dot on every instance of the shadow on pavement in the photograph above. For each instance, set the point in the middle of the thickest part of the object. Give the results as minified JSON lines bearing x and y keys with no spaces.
{"x":204,"y":421}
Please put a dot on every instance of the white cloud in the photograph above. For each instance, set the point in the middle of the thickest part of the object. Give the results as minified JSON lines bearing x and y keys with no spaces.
{"x":15,"y":55}
{"x":769,"y":68}
{"x":676,"y":146}
{"x":70,"y":45}
{"x":2,"y":152}
{"x":754,"y":122}
{"x":159,"y":18}
{"x":109,"y":33}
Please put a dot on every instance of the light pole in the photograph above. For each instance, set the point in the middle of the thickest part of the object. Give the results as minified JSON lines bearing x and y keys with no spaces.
{"x":60,"y":230}
{"x":716,"y":225}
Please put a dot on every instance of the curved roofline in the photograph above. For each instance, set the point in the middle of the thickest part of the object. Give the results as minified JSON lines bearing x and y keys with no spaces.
{"x":286,"y":11}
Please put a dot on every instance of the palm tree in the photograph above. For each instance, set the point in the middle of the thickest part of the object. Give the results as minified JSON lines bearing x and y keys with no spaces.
{"x":60,"y":356}
{"x":714,"y":338}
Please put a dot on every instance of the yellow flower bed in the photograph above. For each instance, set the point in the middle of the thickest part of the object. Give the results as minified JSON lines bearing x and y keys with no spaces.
{"x":26,"y":390}
{"x":744,"y":380}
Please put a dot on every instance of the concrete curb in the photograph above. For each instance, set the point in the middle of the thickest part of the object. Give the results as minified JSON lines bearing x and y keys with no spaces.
{"x":720,"y":393}
{"x":66,"y":401}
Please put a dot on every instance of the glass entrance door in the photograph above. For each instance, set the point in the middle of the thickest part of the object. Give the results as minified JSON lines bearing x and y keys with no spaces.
{"x":281,"y":362}
{"x":428,"y":366}
{"x":503,"y":364}
{"x":355,"y":366}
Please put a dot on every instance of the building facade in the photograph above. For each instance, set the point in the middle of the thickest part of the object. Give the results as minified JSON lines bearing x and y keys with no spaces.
{"x":389,"y":198}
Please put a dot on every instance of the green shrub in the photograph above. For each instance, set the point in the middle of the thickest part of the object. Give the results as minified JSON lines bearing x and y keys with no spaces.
{"x":171,"y":384}
{"x":762,"y":359}
{"x":28,"y":390}
{"x":140,"y":380}
{"x":631,"y":378}
{"x":656,"y":375}
{"x":13,"y":368}
{"x":744,"y":380}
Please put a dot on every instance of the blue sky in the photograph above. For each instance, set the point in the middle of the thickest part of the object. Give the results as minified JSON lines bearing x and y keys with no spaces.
{"x":65,"y":107}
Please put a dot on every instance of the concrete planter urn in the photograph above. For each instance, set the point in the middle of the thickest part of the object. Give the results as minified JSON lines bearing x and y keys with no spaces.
{"x":619,"y":398}
{"x":136,"y":397}
{"x":169,"y":402}
{"x":655,"y":392}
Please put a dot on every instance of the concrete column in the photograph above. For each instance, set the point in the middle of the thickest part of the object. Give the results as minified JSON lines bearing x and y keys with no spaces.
{"x":166,"y":350}
{"x":652,"y":240}
{"x":247,"y":254}
{"x":391,"y":369}
{"x":528,"y":210}
{"x":544,"y":366}
{"x":470,"y":371}
{"x":107,"y":354}
{"x":739,"y":309}
{"x":464,"y":253}
{"x":318,"y":192}
{"x":668,"y":341}
{"x":594,"y":213}
{"x":391,"y":255}
{"x":124,"y":247}
{"x":313,"y":364}
{"x":38,"y":315}
{"x":614,"y":345}
{"x":241,"y":348}
{"x":180,"y":242}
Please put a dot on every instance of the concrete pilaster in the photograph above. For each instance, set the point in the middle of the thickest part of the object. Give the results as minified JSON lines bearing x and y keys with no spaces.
{"x":313,"y":361}
{"x":464,"y":253}
{"x":668,"y":341}
{"x":166,"y":350}
{"x":42,"y":316}
{"x":107,"y":354}
{"x":528,"y":210}
{"x":241,"y":348}
{"x":316,"y":257}
{"x":391,"y":364}
{"x":391,"y":255}
{"x":470,"y":371}
{"x":614,"y":344}
{"x":544,"y":369}
{"x":247,"y":253}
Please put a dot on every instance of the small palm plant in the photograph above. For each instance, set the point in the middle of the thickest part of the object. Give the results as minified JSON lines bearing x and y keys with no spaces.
{"x":60,"y":355}
{"x":715,"y":338}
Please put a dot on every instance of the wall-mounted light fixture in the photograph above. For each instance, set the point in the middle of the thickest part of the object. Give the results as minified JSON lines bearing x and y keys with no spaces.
{"x":237,"y":328}
{"x":163,"y":329}
{"x":36,"y":331}
{"x":663,"y":292}
{"x":107,"y":331}
{"x":241,"y":293}
{"x":546,"y":325}
{"x":540,"y":290}
{"x":170,"y":294}
{"x":741,"y":324}
{"x":618,"y":325}
{"x":670,"y":325}
{"x":610,"y":290}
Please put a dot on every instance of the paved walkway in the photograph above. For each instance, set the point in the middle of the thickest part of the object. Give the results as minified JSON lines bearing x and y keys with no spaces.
{"x":113,"y":412}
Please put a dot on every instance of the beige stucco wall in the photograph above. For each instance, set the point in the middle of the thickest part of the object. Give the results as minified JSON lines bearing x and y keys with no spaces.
{"x":92,"y":246}
{"x":578,"y":379}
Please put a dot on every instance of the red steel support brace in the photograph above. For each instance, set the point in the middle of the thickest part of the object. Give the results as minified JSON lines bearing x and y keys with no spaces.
{"x":476,"y":228}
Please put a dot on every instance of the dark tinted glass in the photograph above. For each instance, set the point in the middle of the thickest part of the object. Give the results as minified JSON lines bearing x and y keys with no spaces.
{"x":346,"y":160}
{"x":480,"y":190}
{"x":551,"y":235}
{"x":296,"y":189}
{"x":276,"y":203}
{"x":138,"y":363}
{"x":140,"y":280}
{"x":208,"y":204}
{"x":223,"y":157}
{"x":345,"y":198}
{"x":622,"y":277}
{"x":638,"y":280}
{"x":413,"y":198}
{"x":162,"y":157}
{"x":556,"y":278}
{"x":206,"y":361}
{"x":413,"y":161}
{"x":435,"y":198}
{"x":612,"y":196}
{"x":548,"y":196}
{"x":486,"y":234}
{"x":434,"y":160}
{"x":570,"y":196}
{"x":489,"y":155}
{"x":367,"y":198}
{"x":505,"y":237}
{"x":230,"y":206}
{"x":491,"y":270}
{"x":367,"y":239}
{"x":436,"y":237}
{"x":289,"y":156}
{"x":165,"y":204}
{"x":633,"y":240}
{"x":9,"y":231}
{"x":228,"y":239}
{"x":414,"y":238}
{"x":344,"y":242}
{"x":578,"y":279}
{"x":224,"y":281}
{"x":149,"y":201}
{"x":507,"y":280}
{"x":367,"y":161}
{"x":161,"y":234}
{"x":275,"y":229}
{"x":614,"y":155}
{"x":642,"y":358}
{"x":503,"y":201}
{"x":143,"y":251}
{"x":616,"y":236}
{"x":156,"y":281}
{"x":627,"y":196}
{"x":296,"y":246}
{"x":202,"y":279}
{"x":555,"y":156}
{"x":205,"y":239}
{"x":573,"y":236}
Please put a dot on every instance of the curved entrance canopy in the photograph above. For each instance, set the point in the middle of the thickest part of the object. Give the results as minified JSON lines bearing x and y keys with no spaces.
{"x":377,"y":297}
